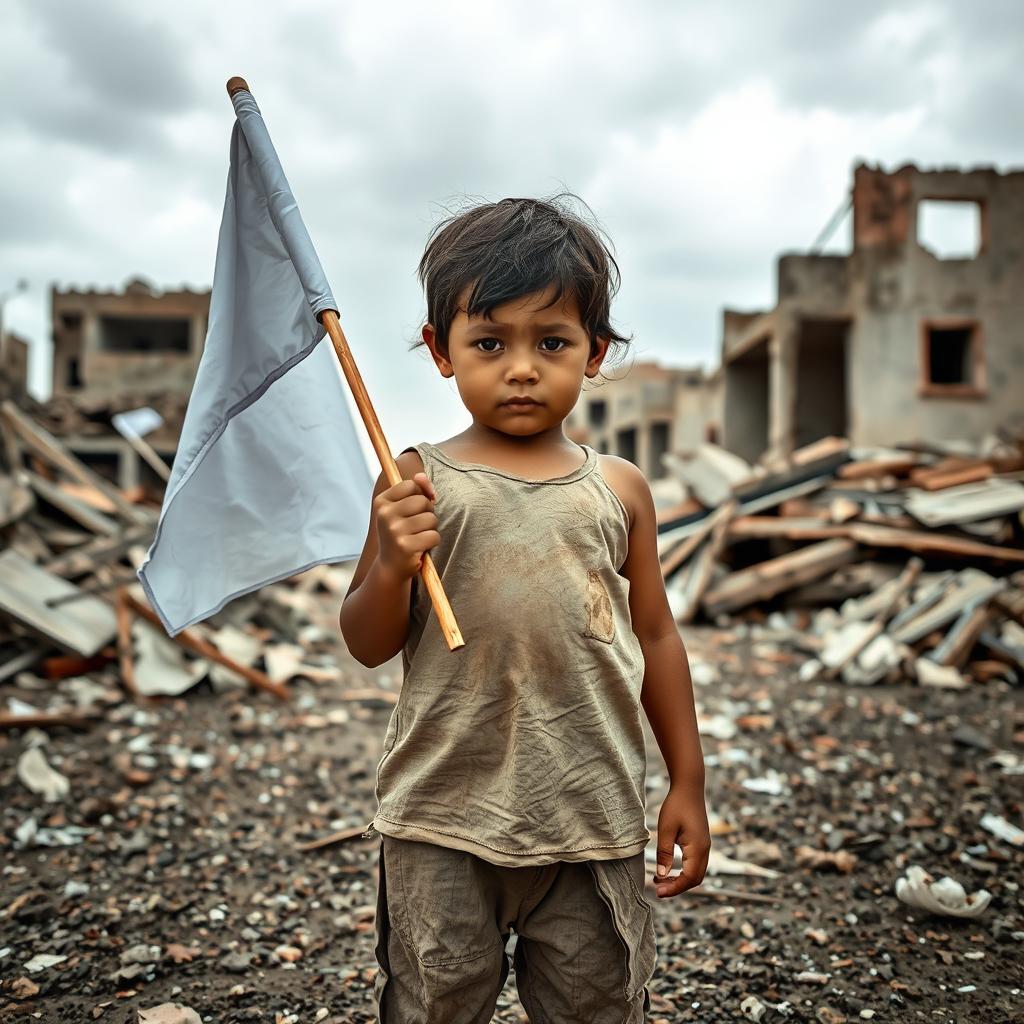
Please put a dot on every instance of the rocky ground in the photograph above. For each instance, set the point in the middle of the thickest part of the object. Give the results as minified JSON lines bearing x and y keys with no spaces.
{"x":172,"y":869}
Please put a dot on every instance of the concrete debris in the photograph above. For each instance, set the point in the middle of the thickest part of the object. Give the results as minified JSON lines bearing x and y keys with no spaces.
{"x":1002,"y":829}
{"x":37,"y":774}
{"x":852,"y":549}
{"x":944,"y":896}
{"x":169,"y":1013}
{"x":69,"y":598}
{"x":720,"y":863}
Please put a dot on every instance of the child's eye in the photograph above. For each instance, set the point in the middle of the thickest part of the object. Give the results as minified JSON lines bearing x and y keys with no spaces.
{"x":481,"y":342}
{"x":559,"y":343}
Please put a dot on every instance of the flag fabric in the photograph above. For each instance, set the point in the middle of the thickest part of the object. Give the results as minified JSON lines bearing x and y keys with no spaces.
{"x":269,"y":478}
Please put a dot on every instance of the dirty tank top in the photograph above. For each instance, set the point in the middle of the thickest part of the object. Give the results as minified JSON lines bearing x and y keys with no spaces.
{"x":525,"y":746}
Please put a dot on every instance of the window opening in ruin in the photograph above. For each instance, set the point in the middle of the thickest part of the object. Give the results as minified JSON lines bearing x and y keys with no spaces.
{"x":949,"y":355}
{"x":143,"y":334}
{"x":597,"y":412}
{"x":74,"y":376}
{"x":949,"y":229}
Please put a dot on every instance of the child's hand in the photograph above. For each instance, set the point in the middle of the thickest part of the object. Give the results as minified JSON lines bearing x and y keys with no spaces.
{"x":406,"y":525}
{"x":682,"y":822}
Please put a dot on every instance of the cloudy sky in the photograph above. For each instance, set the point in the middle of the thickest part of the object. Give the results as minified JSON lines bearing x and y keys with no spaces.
{"x":707,"y":138}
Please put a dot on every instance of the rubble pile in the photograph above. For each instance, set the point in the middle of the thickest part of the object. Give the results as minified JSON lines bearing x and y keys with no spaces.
{"x":895,"y":564}
{"x":76,"y":631}
{"x":177,"y":843}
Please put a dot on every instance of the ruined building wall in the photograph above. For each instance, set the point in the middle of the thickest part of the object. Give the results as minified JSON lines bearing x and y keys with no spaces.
{"x":899,"y":290}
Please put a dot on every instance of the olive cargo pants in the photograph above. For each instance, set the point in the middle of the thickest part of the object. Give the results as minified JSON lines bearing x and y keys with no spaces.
{"x":585,"y":945}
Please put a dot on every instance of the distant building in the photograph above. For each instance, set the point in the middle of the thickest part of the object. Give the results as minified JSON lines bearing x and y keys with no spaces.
{"x":646,"y":412}
{"x":138,"y":340}
{"x":14,"y":371}
{"x":114,"y":351}
{"x":895,"y":342}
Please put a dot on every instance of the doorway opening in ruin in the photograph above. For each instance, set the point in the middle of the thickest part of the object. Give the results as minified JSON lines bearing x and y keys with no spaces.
{"x":659,"y":441}
{"x":625,"y":444}
{"x":821,"y":386}
{"x":745,"y":427}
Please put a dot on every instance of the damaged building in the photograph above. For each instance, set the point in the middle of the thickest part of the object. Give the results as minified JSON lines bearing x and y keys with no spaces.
{"x":115,"y":350}
{"x":646,"y":413}
{"x":896,"y":342}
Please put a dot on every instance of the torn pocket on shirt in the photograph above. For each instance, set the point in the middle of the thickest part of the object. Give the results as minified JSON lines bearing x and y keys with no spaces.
{"x":600,"y":618}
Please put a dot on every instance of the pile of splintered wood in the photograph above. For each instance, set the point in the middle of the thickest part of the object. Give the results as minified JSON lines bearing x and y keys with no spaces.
{"x":71,"y":606}
{"x":878,"y":564}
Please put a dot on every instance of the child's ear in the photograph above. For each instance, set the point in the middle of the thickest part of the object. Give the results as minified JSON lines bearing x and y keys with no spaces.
{"x":440,"y":359}
{"x":600,"y":350}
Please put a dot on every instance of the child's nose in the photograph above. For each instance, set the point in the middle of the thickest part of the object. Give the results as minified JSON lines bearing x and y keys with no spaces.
{"x":522,"y":370}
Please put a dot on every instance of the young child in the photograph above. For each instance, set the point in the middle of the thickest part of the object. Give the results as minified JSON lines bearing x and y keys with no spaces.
{"x":511,"y":788}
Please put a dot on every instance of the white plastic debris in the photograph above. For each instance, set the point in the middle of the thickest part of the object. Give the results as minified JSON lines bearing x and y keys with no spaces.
{"x":43,"y":960}
{"x":1002,"y":829}
{"x":241,"y":647}
{"x":722,"y":864}
{"x":720,"y":727}
{"x":20,"y":707}
{"x":161,"y":667}
{"x":702,"y":673}
{"x":945,"y":677}
{"x":773,"y":784}
{"x":944,"y":896}
{"x":38,"y":776}
{"x":169,"y":1013}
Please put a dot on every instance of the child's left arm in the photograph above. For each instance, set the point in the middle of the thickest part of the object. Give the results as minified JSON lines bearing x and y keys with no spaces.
{"x":667,"y":694}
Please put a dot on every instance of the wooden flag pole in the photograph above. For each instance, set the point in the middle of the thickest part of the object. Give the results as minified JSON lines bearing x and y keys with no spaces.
{"x":431,"y":579}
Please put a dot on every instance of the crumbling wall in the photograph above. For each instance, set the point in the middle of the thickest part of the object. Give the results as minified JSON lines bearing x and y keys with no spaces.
{"x":900,"y":291}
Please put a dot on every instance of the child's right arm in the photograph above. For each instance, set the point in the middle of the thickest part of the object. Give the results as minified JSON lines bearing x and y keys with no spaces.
{"x":374,"y":616}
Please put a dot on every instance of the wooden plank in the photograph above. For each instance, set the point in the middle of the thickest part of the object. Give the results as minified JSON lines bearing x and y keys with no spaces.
{"x":192,"y":642}
{"x":769,"y":491}
{"x":82,"y":627}
{"x":73,"y":507}
{"x":97,"y":552}
{"x":970,"y":587}
{"x":704,"y":563}
{"x":48,"y":447}
{"x":940,"y":481}
{"x":869,"y":468}
{"x":763,"y":581}
{"x":930,"y":542}
{"x":960,"y":640}
{"x":686,"y":547}
{"x":1011,"y":604}
{"x":967,"y":504}
{"x":16,"y":500}
{"x":49,"y":720}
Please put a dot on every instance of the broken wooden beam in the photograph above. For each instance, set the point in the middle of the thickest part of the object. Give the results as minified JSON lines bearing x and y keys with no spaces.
{"x":765,"y":580}
{"x":187,"y":639}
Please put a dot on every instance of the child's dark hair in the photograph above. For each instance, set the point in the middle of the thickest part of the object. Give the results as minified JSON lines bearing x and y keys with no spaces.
{"x":513,"y":248}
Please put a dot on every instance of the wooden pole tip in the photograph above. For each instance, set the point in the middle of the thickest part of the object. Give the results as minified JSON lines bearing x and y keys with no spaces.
{"x":237,"y":84}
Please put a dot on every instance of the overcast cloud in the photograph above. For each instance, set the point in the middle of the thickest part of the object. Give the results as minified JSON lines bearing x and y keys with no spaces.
{"x":706,"y":138}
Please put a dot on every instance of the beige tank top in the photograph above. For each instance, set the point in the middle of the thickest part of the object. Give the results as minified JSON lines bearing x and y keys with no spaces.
{"x":526,"y":745}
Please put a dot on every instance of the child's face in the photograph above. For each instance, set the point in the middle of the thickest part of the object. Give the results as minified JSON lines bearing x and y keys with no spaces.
{"x":524,"y":349}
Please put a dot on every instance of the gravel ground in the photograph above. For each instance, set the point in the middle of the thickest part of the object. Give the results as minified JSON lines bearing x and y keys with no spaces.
{"x":183,"y":877}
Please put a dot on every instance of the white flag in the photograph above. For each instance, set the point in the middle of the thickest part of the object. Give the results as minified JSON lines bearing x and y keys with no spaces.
{"x":269,"y":478}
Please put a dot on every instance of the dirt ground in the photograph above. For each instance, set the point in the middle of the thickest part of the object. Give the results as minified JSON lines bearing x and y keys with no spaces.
{"x":172,"y":869}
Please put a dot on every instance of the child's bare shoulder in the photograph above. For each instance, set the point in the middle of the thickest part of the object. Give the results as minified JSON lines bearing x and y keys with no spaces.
{"x":409,"y":463}
{"x":627,"y":481}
